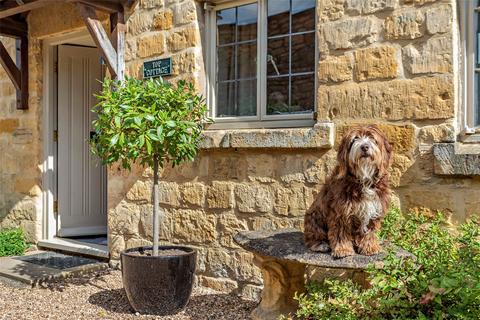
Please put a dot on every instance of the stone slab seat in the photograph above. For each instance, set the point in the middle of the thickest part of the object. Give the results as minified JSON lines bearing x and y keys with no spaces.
{"x":282,"y":256}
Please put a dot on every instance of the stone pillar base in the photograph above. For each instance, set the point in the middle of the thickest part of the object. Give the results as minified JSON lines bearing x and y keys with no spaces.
{"x":281,"y":279}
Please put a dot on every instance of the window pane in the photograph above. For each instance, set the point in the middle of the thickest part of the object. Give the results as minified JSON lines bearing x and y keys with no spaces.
{"x":226,"y":63}
{"x":226,"y":21}
{"x":278,"y":17}
{"x":226,"y":99}
{"x":247,"y":97}
{"x":278,"y":56}
{"x":247,"y":57}
{"x":303,"y":52}
{"x":277,"y":95}
{"x":247,"y":22}
{"x":303,"y":93}
{"x":303,"y":15}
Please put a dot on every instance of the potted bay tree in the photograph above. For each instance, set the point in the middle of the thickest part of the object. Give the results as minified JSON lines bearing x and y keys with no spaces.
{"x":151,"y":123}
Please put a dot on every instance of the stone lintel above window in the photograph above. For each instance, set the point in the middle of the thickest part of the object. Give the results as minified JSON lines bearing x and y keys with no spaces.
{"x":456,"y":159}
{"x":320,"y":136}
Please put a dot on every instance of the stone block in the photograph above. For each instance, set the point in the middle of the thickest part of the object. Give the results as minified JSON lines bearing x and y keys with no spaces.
{"x":245,"y":268}
{"x":184,"y":62}
{"x":192,"y":194}
{"x":330,"y":10}
{"x":436,"y":133}
{"x":450,"y":159}
{"x":251,"y":292}
{"x":193,"y":226}
{"x":419,"y":98}
{"x":163,"y":20}
{"x":370,"y":6}
{"x":149,"y":4}
{"x":139,"y":23}
{"x":168,"y":193}
{"x":439,"y":19}
{"x":184,"y":13}
{"x":253,"y":198}
{"x":220,"y":195}
{"x":228,"y":225}
{"x":151,"y":45}
{"x":219,"y":284}
{"x":124,"y":219}
{"x":375,"y":63}
{"x":335,"y":69}
{"x":292,"y":201}
{"x":320,"y":136}
{"x":432,"y":56}
{"x":407,"y":24}
{"x":141,"y":191}
{"x":348,"y":33}
{"x":182,"y":39}
{"x":8,"y":125}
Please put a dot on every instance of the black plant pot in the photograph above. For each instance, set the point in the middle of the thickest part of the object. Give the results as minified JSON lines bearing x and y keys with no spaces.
{"x":159,"y":285}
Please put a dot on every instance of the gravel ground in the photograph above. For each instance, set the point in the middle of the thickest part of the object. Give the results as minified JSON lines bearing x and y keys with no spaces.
{"x":101,"y":296}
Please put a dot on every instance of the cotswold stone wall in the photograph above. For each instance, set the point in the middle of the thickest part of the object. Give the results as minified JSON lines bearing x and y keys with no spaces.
{"x":388,"y":62}
{"x":20,"y":192}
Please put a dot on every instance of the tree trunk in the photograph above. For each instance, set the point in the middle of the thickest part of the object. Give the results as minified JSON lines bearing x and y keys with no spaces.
{"x":156,"y":208}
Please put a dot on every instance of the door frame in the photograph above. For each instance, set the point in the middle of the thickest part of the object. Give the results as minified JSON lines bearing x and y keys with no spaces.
{"x":50,"y":154}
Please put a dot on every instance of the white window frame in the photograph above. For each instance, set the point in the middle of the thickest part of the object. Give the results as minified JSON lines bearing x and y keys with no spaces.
{"x":468,"y":29}
{"x":261,"y":120}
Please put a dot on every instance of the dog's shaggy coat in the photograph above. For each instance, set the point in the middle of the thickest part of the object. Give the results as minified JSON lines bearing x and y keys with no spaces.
{"x":352,"y":203}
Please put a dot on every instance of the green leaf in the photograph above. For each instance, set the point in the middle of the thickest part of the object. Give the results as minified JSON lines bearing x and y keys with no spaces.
{"x":170,"y":123}
{"x":114,"y":140}
{"x":150,"y":118}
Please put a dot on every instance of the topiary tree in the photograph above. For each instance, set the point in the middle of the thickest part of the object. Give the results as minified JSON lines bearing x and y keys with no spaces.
{"x":148,"y":122}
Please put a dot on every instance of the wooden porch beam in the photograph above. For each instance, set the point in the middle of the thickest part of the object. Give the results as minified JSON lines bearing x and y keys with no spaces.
{"x":26,"y":7}
{"x":100,"y":37}
{"x":22,"y":62}
{"x":11,"y":27}
{"x":10,"y":67}
{"x":118,"y":29}
{"x":108,"y":6}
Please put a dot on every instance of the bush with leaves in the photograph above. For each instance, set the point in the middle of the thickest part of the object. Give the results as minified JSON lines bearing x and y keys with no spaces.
{"x":12,"y":242}
{"x":148,"y":122}
{"x":443,"y":282}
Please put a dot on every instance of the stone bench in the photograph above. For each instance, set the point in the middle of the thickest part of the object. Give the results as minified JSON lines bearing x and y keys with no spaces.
{"x":282,"y":256}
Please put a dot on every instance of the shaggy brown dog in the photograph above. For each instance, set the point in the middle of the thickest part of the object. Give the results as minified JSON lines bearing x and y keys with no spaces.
{"x":352,"y":203}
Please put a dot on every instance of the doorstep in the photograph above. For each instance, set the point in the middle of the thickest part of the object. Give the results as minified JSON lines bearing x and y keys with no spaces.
{"x":38,"y":267}
{"x":75,"y":246}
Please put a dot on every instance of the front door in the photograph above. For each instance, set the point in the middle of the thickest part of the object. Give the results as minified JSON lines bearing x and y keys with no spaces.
{"x":81,"y":178}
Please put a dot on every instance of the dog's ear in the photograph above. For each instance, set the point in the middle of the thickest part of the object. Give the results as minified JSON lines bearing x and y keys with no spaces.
{"x":342,"y":155}
{"x":386,"y":149}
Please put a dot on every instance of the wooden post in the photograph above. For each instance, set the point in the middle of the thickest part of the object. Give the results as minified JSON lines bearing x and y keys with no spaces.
{"x":117,"y":25}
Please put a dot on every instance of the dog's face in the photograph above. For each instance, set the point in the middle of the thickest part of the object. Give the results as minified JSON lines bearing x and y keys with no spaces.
{"x":365,"y":153}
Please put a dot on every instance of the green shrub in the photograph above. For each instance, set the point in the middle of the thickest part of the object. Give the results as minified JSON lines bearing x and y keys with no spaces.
{"x":12,"y":242}
{"x":443,"y":283}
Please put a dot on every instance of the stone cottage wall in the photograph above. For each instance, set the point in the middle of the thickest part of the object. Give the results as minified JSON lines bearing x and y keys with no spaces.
{"x":20,"y":190}
{"x":388,"y":62}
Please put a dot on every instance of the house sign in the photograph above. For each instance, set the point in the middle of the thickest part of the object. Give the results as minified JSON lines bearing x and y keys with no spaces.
{"x":157,"y":68}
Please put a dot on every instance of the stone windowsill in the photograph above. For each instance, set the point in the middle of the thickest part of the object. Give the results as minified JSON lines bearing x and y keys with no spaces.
{"x":456,"y":159}
{"x":321,"y":135}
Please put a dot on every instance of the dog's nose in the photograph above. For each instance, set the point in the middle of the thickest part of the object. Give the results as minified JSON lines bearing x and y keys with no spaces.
{"x":364,"y":147}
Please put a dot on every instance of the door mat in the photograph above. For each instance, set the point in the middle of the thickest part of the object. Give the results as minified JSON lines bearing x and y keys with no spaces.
{"x":56,"y":260}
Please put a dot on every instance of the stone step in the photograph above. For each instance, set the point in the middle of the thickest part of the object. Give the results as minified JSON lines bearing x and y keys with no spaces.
{"x":39,"y":267}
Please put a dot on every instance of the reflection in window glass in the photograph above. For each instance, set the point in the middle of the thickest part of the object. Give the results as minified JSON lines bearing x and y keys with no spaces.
{"x":236,"y":61}
{"x":290,"y":56}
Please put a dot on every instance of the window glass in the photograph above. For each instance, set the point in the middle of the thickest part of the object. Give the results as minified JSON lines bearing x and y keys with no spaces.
{"x":290,"y":56}
{"x":236,"y":61}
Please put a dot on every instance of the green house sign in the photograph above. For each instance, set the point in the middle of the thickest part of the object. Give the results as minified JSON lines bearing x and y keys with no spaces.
{"x":157,"y":68}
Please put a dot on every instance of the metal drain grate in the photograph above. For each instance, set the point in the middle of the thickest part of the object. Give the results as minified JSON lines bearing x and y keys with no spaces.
{"x":56,"y":260}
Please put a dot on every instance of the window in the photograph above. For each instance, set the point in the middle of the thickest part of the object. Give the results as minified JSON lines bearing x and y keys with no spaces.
{"x":471,"y":46}
{"x":262,"y":57}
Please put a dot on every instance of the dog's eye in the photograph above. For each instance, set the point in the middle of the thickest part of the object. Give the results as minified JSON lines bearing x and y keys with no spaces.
{"x":356,"y":138}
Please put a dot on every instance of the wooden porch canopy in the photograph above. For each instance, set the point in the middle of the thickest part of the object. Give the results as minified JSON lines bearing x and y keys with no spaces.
{"x":111,"y":44}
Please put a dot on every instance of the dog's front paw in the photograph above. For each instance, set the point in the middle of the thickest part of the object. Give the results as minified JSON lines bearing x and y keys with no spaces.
{"x":322,"y":247}
{"x":369,"y":249}
{"x":342,"y":252}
